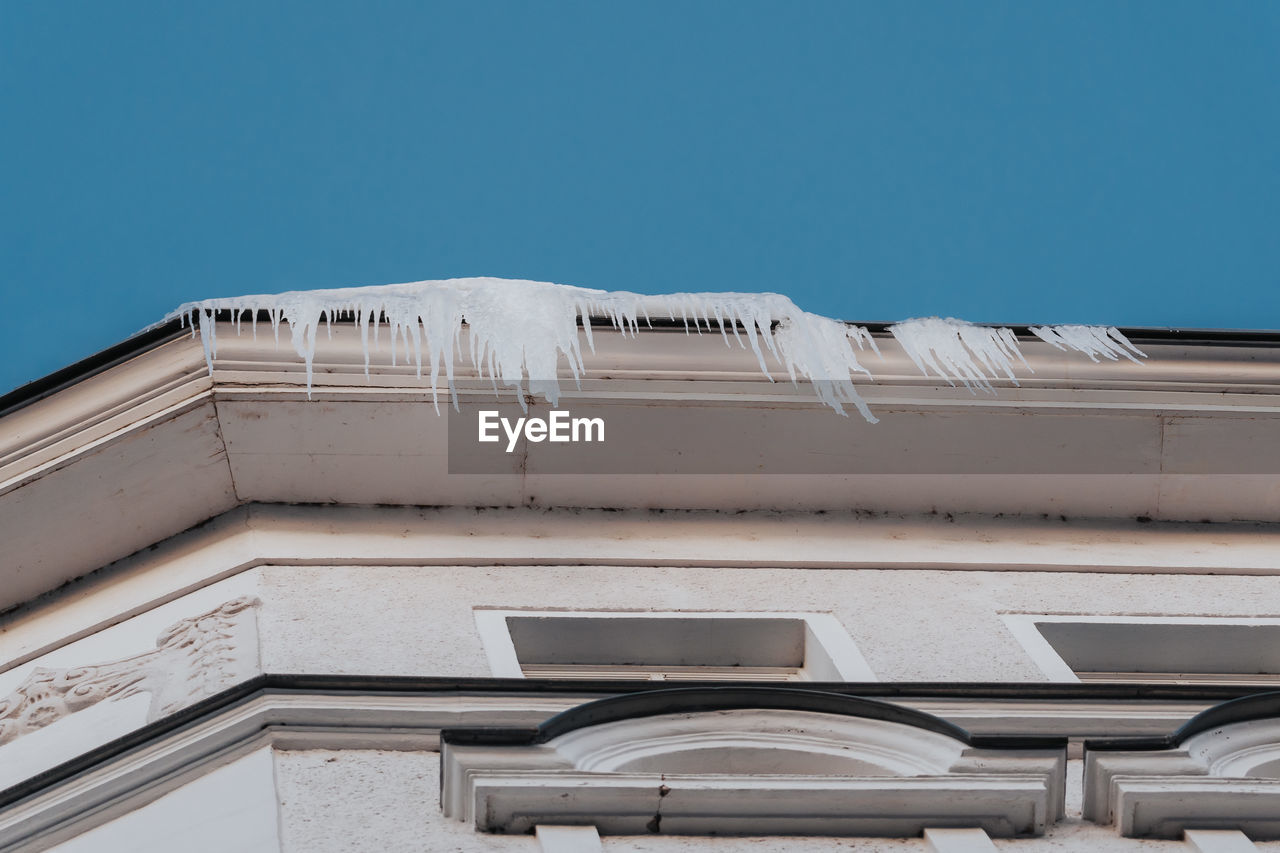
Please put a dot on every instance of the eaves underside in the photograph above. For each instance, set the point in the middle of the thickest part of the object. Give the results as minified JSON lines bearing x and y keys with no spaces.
{"x":140,"y":443}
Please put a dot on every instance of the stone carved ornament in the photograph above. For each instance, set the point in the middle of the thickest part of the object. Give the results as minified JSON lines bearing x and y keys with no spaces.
{"x":193,"y":659}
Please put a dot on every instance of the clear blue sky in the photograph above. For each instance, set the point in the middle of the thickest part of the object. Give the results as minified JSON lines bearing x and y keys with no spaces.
{"x":1101,"y":162}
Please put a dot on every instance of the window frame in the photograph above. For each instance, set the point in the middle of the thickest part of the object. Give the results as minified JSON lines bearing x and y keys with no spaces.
{"x":1024,"y":627}
{"x":824,"y":629}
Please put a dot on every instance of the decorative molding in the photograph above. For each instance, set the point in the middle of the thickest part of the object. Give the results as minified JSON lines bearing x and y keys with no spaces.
{"x":55,"y":801}
{"x":763,"y":771}
{"x":1226,"y":777}
{"x":193,"y":659}
{"x":58,"y":802}
{"x":163,"y":399}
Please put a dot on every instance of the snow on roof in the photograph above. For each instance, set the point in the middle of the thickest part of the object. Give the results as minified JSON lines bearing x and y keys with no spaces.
{"x":519,"y":330}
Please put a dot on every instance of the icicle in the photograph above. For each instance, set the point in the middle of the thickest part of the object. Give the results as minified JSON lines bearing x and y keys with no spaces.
{"x":955,"y":350}
{"x":859,"y":334}
{"x":974,"y":355}
{"x":518,"y":332}
{"x":362,"y":320}
{"x":1093,"y":341}
{"x":819,"y":349}
{"x":208,"y":336}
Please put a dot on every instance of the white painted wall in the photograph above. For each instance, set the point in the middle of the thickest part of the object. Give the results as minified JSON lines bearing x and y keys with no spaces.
{"x":355,"y":801}
{"x":357,"y":789}
{"x":230,"y":808}
{"x":624,"y":543}
{"x":909,"y":625}
{"x":917,"y":624}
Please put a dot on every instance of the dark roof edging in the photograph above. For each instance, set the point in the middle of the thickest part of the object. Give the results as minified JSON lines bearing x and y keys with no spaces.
{"x":129,"y":348}
{"x":692,"y":700}
{"x":1257,"y":706}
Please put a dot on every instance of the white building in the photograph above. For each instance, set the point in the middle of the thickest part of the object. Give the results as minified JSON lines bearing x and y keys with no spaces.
{"x":238,"y":614}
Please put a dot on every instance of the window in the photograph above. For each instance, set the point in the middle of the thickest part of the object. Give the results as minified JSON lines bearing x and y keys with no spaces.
{"x":1161,"y":649}
{"x":670,"y":646}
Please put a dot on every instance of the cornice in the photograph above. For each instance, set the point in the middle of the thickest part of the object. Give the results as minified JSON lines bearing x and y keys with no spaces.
{"x":162,"y":373}
{"x":136,"y":371}
{"x":376,"y":712}
{"x":148,"y":443}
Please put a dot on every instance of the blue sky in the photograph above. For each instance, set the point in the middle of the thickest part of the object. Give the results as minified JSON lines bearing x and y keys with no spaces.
{"x":1100,"y":162}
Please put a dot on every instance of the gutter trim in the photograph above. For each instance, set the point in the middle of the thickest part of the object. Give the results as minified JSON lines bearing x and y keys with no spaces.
{"x":163,"y":332}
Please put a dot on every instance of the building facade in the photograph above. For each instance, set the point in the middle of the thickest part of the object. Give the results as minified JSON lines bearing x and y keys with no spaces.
{"x":245,"y":612}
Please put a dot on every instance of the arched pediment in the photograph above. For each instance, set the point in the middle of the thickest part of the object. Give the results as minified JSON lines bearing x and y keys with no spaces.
{"x":1249,"y":749}
{"x":749,"y":761}
{"x":1220,"y":770}
{"x":760,"y":741}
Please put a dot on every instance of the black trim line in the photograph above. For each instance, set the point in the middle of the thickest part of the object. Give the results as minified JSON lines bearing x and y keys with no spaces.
{"x":871,"y":689}
{"x":693,"y":700}
{"x":365,"y":684}
{"x":1259,"y":706}
{"x":113,"y":748}
{"x":129,"y":348}
{"x":1154,"y":334}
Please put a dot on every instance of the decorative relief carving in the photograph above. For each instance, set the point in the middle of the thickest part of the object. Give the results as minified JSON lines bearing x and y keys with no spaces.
{"x":193,"y":659}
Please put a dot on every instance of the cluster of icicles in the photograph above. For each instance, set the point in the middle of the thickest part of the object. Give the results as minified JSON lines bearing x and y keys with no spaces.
{"x":519,"y":330}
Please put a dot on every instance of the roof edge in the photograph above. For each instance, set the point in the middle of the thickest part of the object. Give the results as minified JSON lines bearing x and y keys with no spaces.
{"x":129,"y":348}
{"x":165,"y":331}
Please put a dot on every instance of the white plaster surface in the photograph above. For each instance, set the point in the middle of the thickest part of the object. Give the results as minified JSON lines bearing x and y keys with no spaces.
{"x":354,"y":801}
{"x":319,"y":536}
{"x":389,"y":801}
{"x":922,"y":625}
{"x":909,"y":624}
{"x":231,"y":808}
